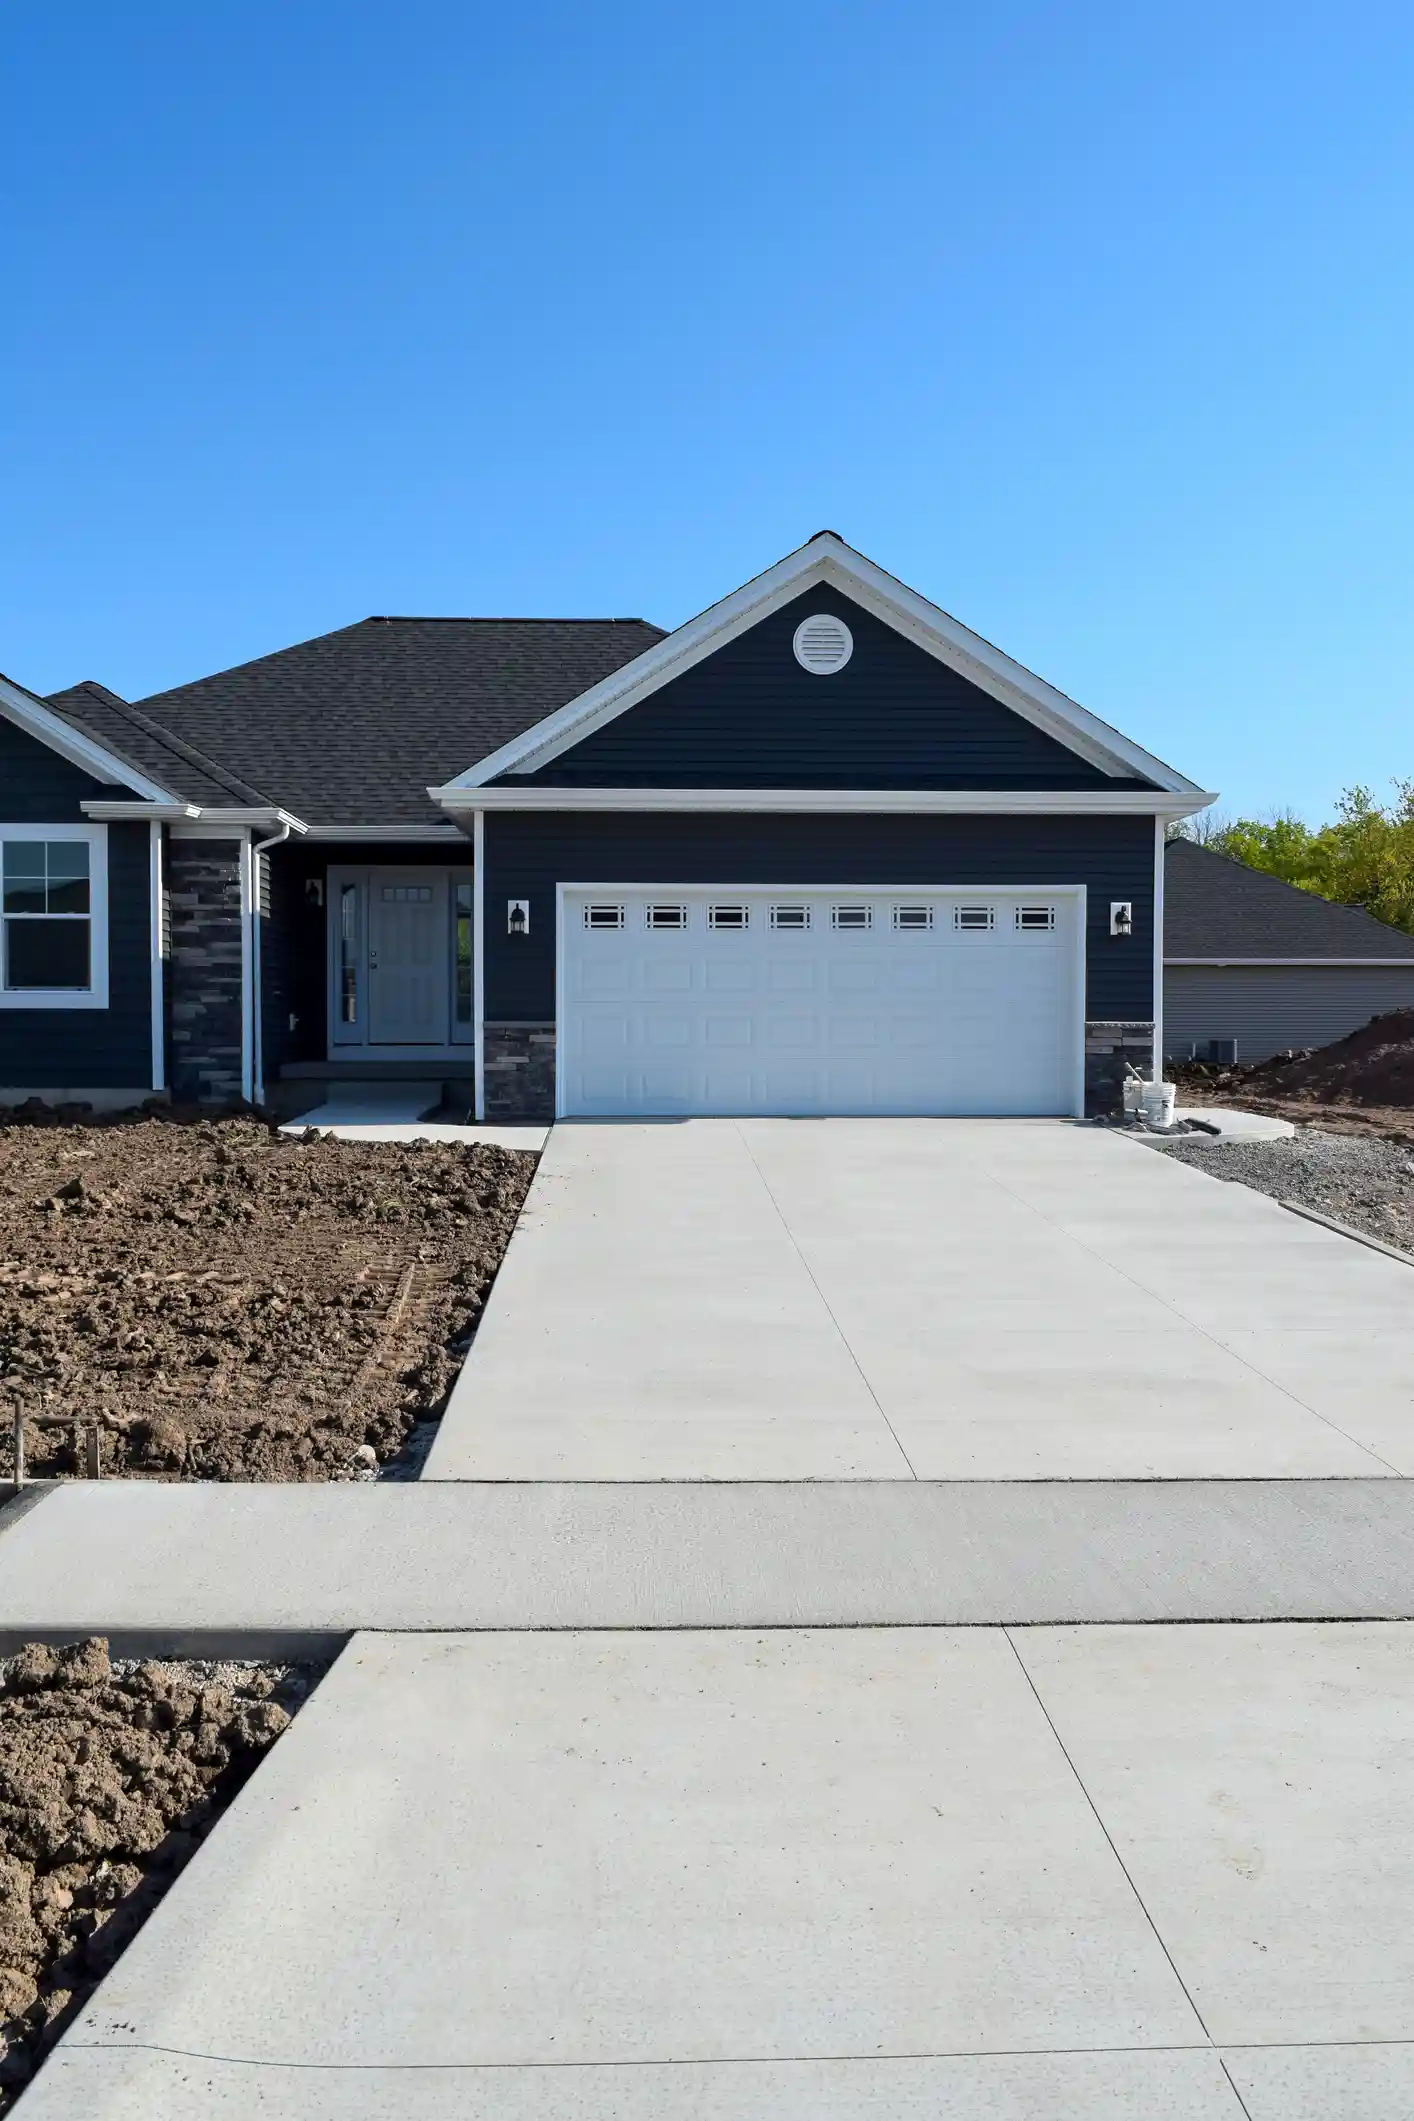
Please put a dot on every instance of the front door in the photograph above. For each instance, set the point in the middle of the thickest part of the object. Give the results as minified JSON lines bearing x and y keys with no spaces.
{"x":407,"y":958}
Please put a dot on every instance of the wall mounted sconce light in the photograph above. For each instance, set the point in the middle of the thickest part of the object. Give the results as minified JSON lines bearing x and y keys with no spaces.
{"x":1121,"y":917}
{"x":314,"y":890}
{"x":517,"y":917}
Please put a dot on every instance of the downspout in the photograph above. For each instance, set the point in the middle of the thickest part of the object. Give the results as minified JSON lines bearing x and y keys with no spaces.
{"x":257,"y":1014}
{"x":1160,"y":829}
{"x":478,"y":957}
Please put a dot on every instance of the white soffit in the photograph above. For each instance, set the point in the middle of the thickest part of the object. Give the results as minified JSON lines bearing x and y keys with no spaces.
{"x":829,"y":561}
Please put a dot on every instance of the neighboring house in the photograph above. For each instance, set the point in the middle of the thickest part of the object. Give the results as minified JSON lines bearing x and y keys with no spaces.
{"x":1252,"y":959}
{"x":819,"y":850}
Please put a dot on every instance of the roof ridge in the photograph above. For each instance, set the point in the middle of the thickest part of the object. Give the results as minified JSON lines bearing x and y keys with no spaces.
{"x":231,"y":782}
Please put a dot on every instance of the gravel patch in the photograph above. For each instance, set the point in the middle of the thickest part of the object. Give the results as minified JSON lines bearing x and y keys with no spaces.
{"x":112,"y":1773}
{"x":1359,"y":1180}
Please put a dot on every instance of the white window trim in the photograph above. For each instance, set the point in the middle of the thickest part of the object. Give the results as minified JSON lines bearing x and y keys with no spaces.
{"x":96,"y":996}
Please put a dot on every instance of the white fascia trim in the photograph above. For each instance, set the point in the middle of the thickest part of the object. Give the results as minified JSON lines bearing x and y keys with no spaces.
{"x":388,"y":835}
{"x":1022,"y":802}
{"x":827,"y":560}
{"x":41,"y":722}
{"x":1314,"y":963}
{"x":116,"y":813}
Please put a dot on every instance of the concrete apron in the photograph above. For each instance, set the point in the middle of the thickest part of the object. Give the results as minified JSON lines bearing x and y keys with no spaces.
{"x":228,"y":1570}
{"x":1102,"y":1874}
{"x":898,"y":1300}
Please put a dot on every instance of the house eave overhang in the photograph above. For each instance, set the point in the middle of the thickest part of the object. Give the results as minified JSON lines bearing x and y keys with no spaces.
{"x":457,"y":800}
{"x":60,"y":736}
{"x":237,"y":817}
{"x":828,"y":560}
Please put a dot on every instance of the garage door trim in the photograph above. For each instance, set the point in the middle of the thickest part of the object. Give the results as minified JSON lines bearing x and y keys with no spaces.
{"x":788,"y":887}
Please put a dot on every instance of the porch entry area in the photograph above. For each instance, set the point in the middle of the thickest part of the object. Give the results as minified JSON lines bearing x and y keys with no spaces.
{"x":400,"y":961}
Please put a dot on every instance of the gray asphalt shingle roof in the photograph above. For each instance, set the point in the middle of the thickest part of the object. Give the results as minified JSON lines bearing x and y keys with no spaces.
{"x":132,"y":736}
{"x":1216,"y":908}
{"x":353,"y":727}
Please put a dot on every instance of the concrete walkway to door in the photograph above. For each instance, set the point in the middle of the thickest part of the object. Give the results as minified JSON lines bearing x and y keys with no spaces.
{"x":922,"y":1299}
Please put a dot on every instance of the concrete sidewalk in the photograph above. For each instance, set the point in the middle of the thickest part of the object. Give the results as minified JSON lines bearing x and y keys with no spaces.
{"x":917,"y":1299}
{"x":1066,"y":1875}
{"x":267,"y":1569}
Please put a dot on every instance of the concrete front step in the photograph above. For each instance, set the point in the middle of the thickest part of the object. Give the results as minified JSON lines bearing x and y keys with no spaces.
{"x":246,"y":1570}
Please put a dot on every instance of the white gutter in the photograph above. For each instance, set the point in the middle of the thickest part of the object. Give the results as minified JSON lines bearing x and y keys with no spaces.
{"x":208,"y":815}
{"x":257,"y":1026}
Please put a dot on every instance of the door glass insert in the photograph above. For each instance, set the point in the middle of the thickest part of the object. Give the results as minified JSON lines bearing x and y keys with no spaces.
{"x":462,"y":990}
{"x":348,"y":953}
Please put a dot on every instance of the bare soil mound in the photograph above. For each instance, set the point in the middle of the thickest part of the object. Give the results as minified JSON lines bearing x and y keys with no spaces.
{"x":231,"y":1303}
{"x":1368,"y":1074}
{"x":110,"y":1777}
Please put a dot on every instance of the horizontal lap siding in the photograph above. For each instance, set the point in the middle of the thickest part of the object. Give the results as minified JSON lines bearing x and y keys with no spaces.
{"x":748,"y":716}
{"x":1268,"y":1008}
{"x":99,"y":1049}
{"x":528,"y":855}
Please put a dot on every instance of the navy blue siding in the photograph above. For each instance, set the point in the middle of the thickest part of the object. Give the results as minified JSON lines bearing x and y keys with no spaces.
{"x":528,"y":854}
{"x":109,"y":1049}
{"x":750,"y":717}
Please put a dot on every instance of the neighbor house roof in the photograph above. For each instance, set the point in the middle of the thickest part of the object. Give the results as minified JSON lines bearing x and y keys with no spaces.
{"x":351,"y":728}
{"x":131,"y":734}
{"x":1219,"y":911}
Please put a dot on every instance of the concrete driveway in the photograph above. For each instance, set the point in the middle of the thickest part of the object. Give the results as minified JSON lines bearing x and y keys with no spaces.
{"x":922,"y":1299}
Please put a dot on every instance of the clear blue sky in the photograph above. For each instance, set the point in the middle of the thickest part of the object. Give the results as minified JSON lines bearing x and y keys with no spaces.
{"x":1090,"y":319}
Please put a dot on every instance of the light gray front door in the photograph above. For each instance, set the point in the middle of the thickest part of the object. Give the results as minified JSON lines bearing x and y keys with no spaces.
{"x":408,"y":958}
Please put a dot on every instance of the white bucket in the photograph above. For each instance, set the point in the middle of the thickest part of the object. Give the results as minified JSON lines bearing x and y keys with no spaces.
{"x":1157,"y":1103}
{"x":1133,"y":1093}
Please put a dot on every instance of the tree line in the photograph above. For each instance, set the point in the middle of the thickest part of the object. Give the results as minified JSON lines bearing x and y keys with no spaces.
{"x":1363,"y":857}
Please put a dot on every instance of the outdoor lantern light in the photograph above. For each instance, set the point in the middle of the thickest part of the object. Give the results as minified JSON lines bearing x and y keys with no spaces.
{"x":1121,"y":917}
{"x":314,"y":890}
{"x":517,"y":917}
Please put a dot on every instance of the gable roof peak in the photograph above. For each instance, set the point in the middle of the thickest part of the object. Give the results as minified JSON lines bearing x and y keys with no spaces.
{"x":825,"y":558}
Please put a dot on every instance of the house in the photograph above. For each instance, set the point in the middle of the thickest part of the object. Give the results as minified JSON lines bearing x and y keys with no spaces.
{"x":1250,"y":959}
{"x":821,"y":849}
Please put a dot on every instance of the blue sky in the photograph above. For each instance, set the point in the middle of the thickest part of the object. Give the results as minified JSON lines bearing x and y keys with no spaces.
{"x":1092,"y":321}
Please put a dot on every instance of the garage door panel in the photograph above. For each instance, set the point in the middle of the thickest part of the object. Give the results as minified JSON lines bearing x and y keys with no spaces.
{"x":929,"y":1002}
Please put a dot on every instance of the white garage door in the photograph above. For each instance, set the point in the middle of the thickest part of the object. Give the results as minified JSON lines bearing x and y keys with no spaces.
{"x":740,"y":1000}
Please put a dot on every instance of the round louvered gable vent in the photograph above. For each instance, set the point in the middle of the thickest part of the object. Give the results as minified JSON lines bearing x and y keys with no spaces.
{"x":823,"y":644}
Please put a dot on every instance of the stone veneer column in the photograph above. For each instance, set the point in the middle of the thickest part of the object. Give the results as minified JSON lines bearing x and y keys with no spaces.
{"x":1110,"y":1049}
{"x":519,"y":1071}
{"x":204,"y":970}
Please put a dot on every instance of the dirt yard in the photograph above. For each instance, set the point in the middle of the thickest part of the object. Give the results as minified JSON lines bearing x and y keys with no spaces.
{"x":230,"y":1303}
{"x":1363,"y":1084}
{"x":111,"y":1775}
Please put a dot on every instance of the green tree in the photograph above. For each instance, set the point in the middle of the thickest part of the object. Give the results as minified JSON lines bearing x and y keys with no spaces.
{"x":1363,"y":857}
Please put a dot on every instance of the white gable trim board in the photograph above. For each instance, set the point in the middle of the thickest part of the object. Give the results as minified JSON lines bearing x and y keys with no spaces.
{"x":808,"y":999}
{"x":828,"y":561}
{"x":50,"y":729}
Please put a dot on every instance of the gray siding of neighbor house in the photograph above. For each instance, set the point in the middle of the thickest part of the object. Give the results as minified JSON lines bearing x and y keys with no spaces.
{"x":750,"y":717}
{"x":527,"y":854}
{"x":71,"y":1049}
{"x":1268,"y":1008}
